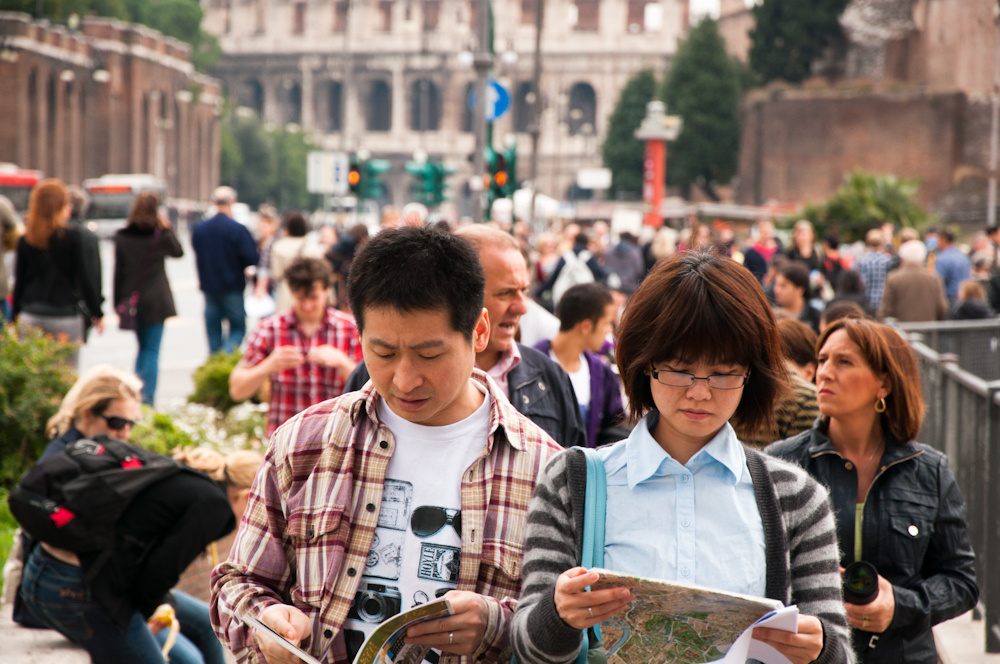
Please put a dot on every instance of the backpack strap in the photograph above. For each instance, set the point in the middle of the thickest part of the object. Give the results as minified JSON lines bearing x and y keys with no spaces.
{"x":594,"y":515}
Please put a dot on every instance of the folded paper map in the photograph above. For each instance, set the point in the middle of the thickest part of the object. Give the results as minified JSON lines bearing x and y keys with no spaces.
{"x":680,"y":623}
{"x":385,"y":645}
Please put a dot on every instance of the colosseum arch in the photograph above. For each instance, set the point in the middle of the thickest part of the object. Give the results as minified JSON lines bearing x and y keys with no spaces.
{"x":582,"y":109}
{"x":425,"y":107}
{"x":251,"y":95}
{"x":378,"y":114}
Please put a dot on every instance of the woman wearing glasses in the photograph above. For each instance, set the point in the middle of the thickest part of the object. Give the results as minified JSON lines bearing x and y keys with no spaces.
{"x":103,"y":605}
{"x":686,"y":501}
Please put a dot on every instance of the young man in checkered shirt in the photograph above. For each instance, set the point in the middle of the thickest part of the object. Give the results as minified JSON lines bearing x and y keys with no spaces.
{"x":308,"y":351}
{"x":413,"y":488}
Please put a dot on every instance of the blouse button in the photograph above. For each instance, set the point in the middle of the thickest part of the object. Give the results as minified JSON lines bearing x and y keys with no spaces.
{"x":913,"y":530}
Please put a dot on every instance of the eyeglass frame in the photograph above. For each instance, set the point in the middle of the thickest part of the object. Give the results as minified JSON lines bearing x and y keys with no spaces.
{"x":654,"y":373}
{"x":107,"y":418}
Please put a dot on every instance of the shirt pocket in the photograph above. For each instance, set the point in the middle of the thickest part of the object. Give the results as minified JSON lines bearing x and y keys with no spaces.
{"x":911,"y":525}
{"x":319,"y":552}
{"x":500,"y":569}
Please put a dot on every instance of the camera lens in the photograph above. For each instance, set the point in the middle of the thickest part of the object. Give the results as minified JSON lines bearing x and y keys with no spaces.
{"x":860,"y":583}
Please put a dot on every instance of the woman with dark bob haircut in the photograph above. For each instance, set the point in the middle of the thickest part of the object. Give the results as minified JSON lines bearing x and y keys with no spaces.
{"x":897,"y":504}
{"x":686,"y":501}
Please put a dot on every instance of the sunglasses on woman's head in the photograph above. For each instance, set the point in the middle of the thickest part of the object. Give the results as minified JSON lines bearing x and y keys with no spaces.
{"x":116,"y":423}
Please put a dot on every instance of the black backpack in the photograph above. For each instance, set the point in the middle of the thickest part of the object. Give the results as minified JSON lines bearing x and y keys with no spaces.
{"x":72,"y":499}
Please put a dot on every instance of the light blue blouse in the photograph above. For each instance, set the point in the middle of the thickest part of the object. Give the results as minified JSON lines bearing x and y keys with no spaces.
{"x":696,"y":523}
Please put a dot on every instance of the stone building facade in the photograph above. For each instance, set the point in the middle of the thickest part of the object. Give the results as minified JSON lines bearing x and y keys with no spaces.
{"x":110,"y":98}
{"x":386,"y":75}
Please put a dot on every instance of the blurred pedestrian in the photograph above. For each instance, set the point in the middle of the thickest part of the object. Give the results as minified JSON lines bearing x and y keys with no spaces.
{"x":791,"y":293}
{"x":223,"y":249}
{"x":141,"y":249}
{"x":850,"y":287}
{"x":80,"y":201}
{"x":803,"y":247}
{"x":10,"y":233}
{"x":951,"y":264}
{"x":626,"y":263}
{"x":295,"y":244}
{"x":267,"y":233}
{"x":340,"y":256}
{"x":586,"y":313}
{"x":873,"y":265}
{"x":51,"y":272}
{"x":308,"y":350}
{"x":389,"y":218}
{"x":328,"y":236}
{"x":838,"y":309}
{"x":912,"y":294}
{"x":833,"y":263}
{"x":579,"y":264}
{"x":759,"y":254}
{"x":972,"y":302}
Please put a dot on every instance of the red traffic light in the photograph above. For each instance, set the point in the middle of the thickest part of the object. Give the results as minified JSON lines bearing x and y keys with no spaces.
{"x":501,"y":178}
{"x":353,"y":177}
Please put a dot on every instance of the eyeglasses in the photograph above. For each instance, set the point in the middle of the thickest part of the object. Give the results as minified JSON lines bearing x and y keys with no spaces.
{"x":684,"y":379}
{"x":427,"y":521}
{"x":116,"y":423}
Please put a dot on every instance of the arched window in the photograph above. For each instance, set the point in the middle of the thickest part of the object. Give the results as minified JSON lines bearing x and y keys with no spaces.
{"x":470,"y":88}
{"x":293,"y":104}
{"x":582,"y":110}
{"x":335,"y":106}
{"x":524,"y":100}
{"x":251,"y":94}
{"x":379,"y":107}
{"x":426,"y":109}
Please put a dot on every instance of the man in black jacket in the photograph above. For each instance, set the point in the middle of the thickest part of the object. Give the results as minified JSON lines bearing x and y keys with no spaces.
{"x":535,"y":385}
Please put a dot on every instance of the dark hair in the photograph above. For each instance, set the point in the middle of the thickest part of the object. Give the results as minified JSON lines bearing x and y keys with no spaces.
{"x":842,"y":309}
{"x":145,"y":211}
{"x":582,"y":302}
{"x":797,"y":273}
{"x":581,"y":239}
{"x":798,"y":341}
{"x":850,"y":283}
{"x":947,"y":235}
{"x":831,"y":240}
{"x":80,"y":200}
{"x":889,"y":355}
{"x":419,"y":269}
{"x":295,"y":224}
{"x":304,"y":272}
{"x":702,"y":306}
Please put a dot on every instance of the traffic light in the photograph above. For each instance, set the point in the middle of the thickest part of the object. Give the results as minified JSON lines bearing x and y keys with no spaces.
{"x":503,"y":172}
{"x":365,"y":177}
{"x":429,"y":181}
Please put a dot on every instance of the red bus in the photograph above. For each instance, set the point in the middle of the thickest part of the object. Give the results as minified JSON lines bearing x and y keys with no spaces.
{"x":17,"y":183}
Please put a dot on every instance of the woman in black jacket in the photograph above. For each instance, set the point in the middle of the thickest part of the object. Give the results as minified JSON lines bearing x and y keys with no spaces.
{"x":897,"y":504}
{"x":140,"y":250}
{"x":50,"y":275}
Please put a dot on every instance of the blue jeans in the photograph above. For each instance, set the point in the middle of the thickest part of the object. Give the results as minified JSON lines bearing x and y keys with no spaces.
{"x":219,"y":306}
{"x":55,"y":593}
{"x":147,"y":362}
{"x":4,"y":308}
{"x":197,"y":642}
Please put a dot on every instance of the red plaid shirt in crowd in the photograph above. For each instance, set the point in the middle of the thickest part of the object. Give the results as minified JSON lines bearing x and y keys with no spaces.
{"x":312,"y":513}
{"x":294,"y":390}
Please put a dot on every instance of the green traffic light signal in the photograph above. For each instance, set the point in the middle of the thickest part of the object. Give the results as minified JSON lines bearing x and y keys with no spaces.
{"x":365,"y":177}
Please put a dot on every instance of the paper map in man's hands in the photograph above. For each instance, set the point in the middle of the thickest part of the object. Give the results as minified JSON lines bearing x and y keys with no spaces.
{"x":676,"y":623}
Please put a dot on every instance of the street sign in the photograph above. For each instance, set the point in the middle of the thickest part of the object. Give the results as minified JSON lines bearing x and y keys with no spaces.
{"x":497,"y":100}
{"x":327,"y":173}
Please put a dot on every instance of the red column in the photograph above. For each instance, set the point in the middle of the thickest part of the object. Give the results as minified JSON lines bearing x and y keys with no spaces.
{"x":653,"y":181}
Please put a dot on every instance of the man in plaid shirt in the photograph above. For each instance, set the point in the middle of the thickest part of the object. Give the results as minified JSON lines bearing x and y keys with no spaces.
{"x":308,"y":350}
{"x":413,"y":488}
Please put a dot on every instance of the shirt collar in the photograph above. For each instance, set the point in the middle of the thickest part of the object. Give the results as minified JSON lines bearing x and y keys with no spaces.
{"x":646,"y":459}
{"x":508,"y":360}
{"x":292,"y":321}
{"x":502,"y":414}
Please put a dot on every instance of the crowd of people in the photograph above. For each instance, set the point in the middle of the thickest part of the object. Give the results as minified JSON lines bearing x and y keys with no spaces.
{"x":756,"y":421}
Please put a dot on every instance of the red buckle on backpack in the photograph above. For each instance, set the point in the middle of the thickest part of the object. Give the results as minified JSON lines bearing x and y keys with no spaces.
{"x":61,"y":517}
{"x":131,"y":462}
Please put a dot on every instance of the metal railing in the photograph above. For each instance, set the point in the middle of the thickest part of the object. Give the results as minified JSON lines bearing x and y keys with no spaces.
{"x":976,"y":342}
{"x":963,"y":421}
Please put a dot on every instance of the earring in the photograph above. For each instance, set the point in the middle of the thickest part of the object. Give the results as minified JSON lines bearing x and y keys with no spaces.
{"x":880,"y":405}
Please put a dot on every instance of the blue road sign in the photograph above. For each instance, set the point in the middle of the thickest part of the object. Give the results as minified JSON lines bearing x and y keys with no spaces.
{"x":497,"y":100}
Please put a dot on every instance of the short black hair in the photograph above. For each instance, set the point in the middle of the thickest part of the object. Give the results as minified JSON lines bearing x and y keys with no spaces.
{"x":832,"y":240}
{"x":797,"y":273}
{"x":582,"y":302}
{"x":304,"y":272}
{"x":419,"y":269}
{"x":947,"y":235}
{"x":849,"y":283}
{"x":295,"y":224}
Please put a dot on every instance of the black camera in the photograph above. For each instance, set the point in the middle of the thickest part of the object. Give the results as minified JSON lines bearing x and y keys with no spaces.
{"x":375,"y":603}
{"x":860,"y":583}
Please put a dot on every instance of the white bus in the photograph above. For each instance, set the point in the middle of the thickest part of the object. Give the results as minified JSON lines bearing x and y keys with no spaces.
{"x":111,"y":198}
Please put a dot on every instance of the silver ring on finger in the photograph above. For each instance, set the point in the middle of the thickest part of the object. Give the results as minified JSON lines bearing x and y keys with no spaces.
{"x":451,"y":638}
{"x":590,"y":610}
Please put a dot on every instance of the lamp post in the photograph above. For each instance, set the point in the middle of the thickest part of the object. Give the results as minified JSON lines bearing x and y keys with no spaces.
{"x":656,"y":129}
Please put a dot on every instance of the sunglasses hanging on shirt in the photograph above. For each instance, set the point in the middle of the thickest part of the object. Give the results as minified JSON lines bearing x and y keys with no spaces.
{"x":427,"y":520}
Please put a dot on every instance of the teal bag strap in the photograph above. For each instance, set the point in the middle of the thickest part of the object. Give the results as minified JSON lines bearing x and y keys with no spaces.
{"x":594,"y":513}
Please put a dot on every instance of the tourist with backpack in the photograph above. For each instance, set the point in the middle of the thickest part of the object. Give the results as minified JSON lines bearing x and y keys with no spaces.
{"x":685,"y":500}
{"x":576,"y":266}
{"x":110,"y":527}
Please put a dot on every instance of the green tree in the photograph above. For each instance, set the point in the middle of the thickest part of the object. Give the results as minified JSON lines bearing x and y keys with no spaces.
{"x":866,"y":201}
{"x":790,"y":34}
{"x":703,"y":87}
{"x":623,"y":153}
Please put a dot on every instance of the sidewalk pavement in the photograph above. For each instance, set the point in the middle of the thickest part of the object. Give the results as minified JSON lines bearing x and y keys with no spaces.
{"x":962,"y":640}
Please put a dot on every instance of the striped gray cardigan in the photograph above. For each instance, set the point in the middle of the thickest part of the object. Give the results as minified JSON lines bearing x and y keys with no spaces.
{"x":801,"y":541}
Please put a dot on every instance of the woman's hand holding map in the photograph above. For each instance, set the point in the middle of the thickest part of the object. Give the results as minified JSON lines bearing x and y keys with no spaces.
{"x":800,"y":648}
{"x":581,"y":609}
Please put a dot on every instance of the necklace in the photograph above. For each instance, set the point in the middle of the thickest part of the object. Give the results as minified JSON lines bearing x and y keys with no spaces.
{"x":870,"y":457}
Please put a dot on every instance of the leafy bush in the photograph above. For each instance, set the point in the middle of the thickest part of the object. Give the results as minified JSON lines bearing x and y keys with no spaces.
{"x":211,"y":381}
{"x":866,"y":201}
{"x":158,"y":433}
{"x":7,"y":527}
{"x":35,"y":374}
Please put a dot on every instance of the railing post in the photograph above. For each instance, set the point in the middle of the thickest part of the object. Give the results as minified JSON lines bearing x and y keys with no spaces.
{"x":989,"y":588}
{"x":950,"y":412}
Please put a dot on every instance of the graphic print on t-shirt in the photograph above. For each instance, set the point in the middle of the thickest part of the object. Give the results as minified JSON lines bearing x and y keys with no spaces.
{"x":386,"y":556}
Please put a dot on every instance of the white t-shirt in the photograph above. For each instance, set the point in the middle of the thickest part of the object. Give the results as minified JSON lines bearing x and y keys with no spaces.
{"x":423,"y":478}
{"x":581,"y":382}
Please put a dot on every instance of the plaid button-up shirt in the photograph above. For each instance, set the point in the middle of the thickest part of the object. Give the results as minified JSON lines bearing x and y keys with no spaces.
{"x":308,"y":528}
{"x":294,"y":390}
